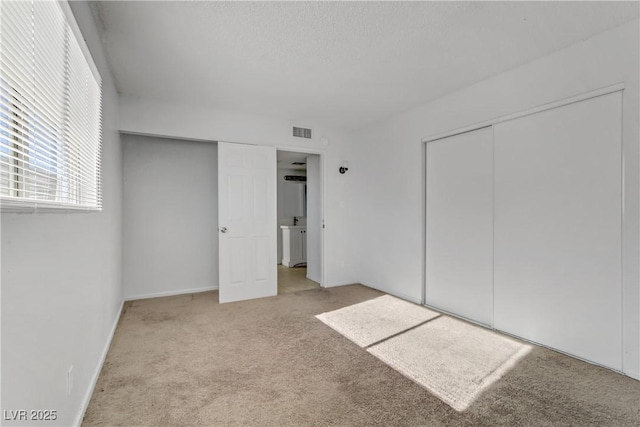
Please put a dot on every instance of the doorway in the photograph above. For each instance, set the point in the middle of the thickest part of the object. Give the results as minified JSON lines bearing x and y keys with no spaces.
{"x":299,"y":224}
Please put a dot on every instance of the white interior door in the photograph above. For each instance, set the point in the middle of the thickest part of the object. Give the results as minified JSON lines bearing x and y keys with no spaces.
{"x":558,"y":218}
{"x":247,"y":221}
{"x":459,"y":264}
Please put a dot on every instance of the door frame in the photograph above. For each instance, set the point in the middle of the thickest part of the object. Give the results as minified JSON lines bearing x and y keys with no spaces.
{"x":323,"y":188}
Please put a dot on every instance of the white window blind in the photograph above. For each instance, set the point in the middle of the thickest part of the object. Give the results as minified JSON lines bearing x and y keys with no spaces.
{"x":50,"y":111}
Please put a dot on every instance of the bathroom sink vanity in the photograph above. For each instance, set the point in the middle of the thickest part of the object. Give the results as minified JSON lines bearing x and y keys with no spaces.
{"x":294,"y":245}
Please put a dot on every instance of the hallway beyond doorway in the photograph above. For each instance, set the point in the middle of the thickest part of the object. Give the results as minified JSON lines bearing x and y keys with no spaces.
{"x":294,"y":279}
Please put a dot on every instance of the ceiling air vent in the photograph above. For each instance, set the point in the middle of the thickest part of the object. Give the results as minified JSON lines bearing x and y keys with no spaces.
{"x":301,"y":132}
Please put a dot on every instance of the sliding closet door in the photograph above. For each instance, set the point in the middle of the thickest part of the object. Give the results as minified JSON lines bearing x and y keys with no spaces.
{"x":558,"y":198}
{"x":459,"y":225}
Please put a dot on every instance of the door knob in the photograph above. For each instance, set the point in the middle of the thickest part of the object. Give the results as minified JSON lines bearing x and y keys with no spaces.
{"x":223,"y":230}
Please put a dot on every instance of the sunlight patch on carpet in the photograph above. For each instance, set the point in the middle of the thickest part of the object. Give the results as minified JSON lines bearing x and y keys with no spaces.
{"x":452,"y":359}
{"x":369,"y":322}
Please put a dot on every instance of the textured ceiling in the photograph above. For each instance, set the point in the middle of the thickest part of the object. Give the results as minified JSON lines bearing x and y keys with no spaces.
{"x":342,"y":64}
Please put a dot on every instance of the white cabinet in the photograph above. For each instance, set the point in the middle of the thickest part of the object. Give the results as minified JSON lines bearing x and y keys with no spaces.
{"x":294,"y":245}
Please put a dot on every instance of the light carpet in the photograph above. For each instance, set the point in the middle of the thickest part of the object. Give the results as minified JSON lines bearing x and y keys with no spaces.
{"x":371,"y":321}
{"x":188,"y":361}
{"x":452,"y":359}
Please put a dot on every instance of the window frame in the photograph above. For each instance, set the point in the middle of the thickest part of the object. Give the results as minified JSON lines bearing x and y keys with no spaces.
{"x":16,"y":201}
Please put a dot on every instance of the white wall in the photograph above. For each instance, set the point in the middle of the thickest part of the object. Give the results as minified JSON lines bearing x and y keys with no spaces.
{"x":151,"y":117}
{"x":61,"y":282}
{"x":170,"y":216}
{"x":290,"y":194}
{"x":388,"y":194}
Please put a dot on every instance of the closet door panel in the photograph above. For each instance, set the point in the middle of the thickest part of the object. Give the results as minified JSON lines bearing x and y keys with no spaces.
{"x":459,"y":215}
{"x":557,"y":246}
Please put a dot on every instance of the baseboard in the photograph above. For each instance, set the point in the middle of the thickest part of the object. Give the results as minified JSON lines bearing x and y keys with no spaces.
{"x":632,"y":374}
{"x":394,"y":293}
{"x":170,"y":293}
{"x":96,"y":374}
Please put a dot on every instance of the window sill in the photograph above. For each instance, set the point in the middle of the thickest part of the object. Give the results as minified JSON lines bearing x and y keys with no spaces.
{"x":8,"y":205}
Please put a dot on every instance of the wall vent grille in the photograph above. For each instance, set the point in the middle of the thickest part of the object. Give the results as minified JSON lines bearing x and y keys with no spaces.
{"x":299,"y":132}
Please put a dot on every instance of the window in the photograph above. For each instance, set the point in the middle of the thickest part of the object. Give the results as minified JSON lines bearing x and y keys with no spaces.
{"x":50,"y":110}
